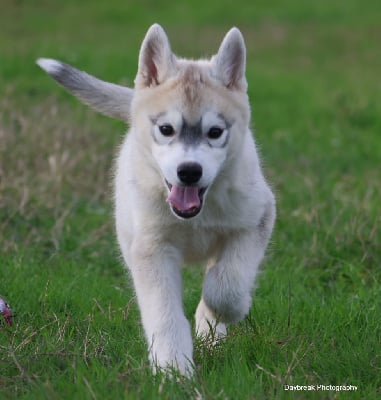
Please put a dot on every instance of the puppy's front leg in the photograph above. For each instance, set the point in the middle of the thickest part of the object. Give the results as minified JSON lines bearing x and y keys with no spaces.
{"x":229,"y":280}
{"x":157,"y":280}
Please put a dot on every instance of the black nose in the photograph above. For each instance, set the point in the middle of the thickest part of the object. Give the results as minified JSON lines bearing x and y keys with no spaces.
{"x":189,"y":173}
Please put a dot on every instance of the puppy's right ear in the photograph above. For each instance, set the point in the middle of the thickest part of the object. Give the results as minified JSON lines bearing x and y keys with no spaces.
{"x":106,"y":98}
{"x":156,"y":60}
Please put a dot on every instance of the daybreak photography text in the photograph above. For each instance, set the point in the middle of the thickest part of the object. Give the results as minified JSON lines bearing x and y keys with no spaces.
{"x":308,"y":388}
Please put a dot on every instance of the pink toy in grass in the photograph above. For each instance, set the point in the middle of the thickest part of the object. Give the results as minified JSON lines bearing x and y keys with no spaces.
{"x":5,"y":311}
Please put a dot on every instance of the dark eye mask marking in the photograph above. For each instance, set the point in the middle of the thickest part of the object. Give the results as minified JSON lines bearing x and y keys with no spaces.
{"x":191,"y":135}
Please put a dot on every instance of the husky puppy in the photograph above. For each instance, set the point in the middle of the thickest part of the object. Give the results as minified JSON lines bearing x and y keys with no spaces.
{"x":188,"y":187}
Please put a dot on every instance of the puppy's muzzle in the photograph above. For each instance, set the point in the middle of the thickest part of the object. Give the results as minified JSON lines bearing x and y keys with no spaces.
{"x":186,"y":199}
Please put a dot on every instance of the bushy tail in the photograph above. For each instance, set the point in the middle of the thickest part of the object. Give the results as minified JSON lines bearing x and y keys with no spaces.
{"x":106,"y":98}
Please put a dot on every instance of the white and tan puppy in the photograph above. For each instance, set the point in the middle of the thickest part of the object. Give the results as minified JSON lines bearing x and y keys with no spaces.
{"x":188,"y":187}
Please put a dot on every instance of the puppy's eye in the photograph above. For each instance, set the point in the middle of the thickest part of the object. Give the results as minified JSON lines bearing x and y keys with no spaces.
{"x":215,"y":132}
{"x":166,"y":130}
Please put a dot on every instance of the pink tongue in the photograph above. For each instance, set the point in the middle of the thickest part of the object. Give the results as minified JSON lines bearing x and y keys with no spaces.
{"x":184,"y":198}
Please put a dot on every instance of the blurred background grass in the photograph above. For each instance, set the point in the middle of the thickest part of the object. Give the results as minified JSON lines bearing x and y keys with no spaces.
{"x":314,"y":84}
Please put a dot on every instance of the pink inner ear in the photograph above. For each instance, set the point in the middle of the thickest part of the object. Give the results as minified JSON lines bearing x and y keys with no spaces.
{"x":152,"y":77}
{"x":151,"y":69}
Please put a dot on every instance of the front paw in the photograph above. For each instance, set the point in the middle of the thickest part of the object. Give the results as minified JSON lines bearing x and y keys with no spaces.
{"x":171,"y":348}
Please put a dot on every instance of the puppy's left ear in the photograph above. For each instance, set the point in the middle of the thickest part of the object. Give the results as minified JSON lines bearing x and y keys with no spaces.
{"x":156,"y":60}
{"x":229,"y":64}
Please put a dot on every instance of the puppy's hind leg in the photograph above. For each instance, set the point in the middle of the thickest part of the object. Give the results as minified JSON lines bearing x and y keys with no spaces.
{"x":207,"y":324}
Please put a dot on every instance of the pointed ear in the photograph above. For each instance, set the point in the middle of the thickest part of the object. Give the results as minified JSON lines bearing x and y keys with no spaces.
{"x":156,"y":60}
{"x":230,"y":62}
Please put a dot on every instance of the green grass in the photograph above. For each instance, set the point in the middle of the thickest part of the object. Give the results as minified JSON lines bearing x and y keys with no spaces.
{"x":314,"y":82}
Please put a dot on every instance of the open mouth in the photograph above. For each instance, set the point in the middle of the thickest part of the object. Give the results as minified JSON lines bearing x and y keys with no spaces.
{"x":185,"y":201}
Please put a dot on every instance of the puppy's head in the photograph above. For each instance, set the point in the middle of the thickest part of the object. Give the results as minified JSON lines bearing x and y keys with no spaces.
{"x":192,"y":114}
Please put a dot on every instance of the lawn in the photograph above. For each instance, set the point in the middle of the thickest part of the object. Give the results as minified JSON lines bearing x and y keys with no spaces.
{"x":315,"y":89}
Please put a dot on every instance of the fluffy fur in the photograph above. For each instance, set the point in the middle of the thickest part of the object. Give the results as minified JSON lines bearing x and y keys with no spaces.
{"x":188,"y":187}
